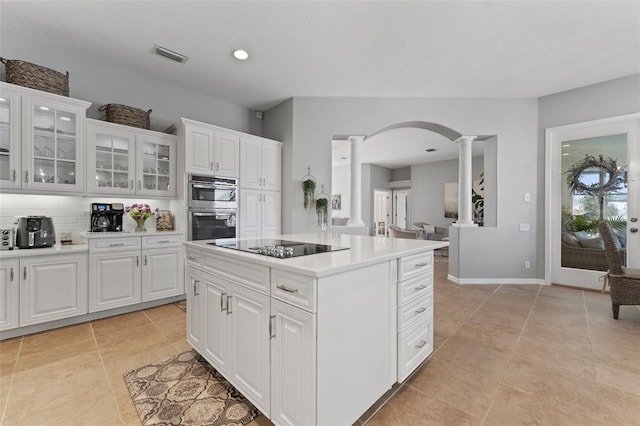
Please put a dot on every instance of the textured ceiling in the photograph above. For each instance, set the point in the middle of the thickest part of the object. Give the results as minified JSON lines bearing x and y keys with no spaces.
{"x":342,"y":48}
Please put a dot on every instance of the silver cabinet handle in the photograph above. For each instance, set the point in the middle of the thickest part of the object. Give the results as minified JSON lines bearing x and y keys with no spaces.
{"x":271,"y":332}
{"x":116,"y":245}
{"x":287,"y":289}
{"x":163,"y":242}
{"x":421,"y":310}
{"x":11,"y":274}
{"x":145,"y":260}
{"x":26,"y":176}
{"x":191,"y":258}
{"x":211,"y":165}
{"x":421,"y":344}
{"x":131,"y":184}
{"x":139,"y":184}
{"x":421,"y":264}
{"x":24,"y":273}
{"x":13,"y":175}
{"x":137,"y":260}
{"x":421,"y":287}
{"x":222,"y":308}
{"x":229,"y":306}
{"x":217,"y":166}
{"x":195,"y":287}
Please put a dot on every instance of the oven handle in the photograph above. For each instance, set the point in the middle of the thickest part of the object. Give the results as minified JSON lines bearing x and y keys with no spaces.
{"x":213,"y":185}
{"x":220,"y":215}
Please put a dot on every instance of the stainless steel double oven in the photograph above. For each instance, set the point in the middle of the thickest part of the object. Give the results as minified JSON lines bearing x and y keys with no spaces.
{"x":213,"y":206}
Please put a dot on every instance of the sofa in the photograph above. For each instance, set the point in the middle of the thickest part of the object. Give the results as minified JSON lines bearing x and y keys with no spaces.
{"x":585,"y":251}
{"x":426,"y":231}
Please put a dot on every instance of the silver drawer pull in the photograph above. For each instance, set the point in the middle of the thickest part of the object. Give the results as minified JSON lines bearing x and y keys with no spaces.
{"x":11,"y":279}
{"x":163,"y":241}
{"x":421,"y":344}
{"x":228,"y":306}
{"x":421,"y":287}
{"x":116,"y":245}
{"x":192,"y":258}
{"x":271,"y":331}
{"x":421,"y":264}
{"x":222,"y":308}
{"x":287,"y":289}
{"x":421,"y":310}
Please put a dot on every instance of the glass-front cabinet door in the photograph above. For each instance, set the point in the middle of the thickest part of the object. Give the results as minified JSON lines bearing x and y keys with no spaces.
{"x":10,"y":167}
{"x":156,"y":165}
{"x":53,"y":145}
{"x":110,"y":160}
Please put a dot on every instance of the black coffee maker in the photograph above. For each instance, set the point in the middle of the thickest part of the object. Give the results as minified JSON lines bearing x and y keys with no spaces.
{"x":106,"y":217}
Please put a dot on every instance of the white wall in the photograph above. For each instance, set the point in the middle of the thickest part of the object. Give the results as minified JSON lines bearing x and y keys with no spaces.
{"x":373,"y":177}
{"x":515,"y":121}
{"x":102,"y":83}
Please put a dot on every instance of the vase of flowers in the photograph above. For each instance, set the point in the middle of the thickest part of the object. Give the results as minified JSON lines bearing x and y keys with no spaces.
{"x":140,"y":213}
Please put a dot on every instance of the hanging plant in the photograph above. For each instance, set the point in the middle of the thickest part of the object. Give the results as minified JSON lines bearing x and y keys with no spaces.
{"x":322,"y":210}
{"x":308,"y":188}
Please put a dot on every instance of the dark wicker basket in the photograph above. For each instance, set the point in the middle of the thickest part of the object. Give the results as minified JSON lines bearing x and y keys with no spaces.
{"x":126,"y":115}
{"x":36,"y":77}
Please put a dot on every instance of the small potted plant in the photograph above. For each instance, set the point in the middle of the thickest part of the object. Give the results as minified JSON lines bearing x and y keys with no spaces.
{"x":308,"y":188}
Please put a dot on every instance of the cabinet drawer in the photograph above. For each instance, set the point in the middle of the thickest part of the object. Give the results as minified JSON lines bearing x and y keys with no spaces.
{"x":414,"y":346}
{"x":194,"y":257}
{"x":414,"y":287}
{"x":415,"y":310}
{"x":298,"y":290}
{"x":253,"y":276}
{"x":415,"y":264}
{"x":113,"y":244}
{"x":158,"y":241}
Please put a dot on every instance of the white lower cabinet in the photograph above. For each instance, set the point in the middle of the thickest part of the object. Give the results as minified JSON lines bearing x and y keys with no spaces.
{"x":127,"y":270}
{"x":293,"y":349}
{"x":194,"y":290}
{"x":236,"y":341}
{"x":9,"y":294}
{"x":52,"y":287}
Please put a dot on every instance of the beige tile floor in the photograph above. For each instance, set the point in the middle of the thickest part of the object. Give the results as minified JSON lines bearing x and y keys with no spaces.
{"x":505,"y":355}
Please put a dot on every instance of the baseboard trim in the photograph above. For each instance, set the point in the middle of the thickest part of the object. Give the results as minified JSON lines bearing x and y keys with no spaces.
{"x":496,"y":280}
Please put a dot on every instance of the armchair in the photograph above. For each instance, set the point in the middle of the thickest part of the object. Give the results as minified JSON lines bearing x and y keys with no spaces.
{"x":397,"y":232}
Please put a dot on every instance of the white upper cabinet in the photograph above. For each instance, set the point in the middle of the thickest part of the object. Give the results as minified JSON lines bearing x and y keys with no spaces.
{"x":260,"y":163}
{"x":42,"y":140}
{"x":210,"y":150}
{"x":128,"y":161}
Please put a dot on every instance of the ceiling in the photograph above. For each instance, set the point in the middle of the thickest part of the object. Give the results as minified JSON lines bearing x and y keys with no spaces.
{"x":347,"y":49}
{"x":351,"y":49}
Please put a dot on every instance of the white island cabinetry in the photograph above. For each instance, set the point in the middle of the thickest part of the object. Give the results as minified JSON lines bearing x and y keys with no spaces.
{"x":313,"y":339}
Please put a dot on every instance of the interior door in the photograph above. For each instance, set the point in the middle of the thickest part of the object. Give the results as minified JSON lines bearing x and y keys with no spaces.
{"x":592,"y":174}
{"x":401,"y":208}
{"x":381,"y":211}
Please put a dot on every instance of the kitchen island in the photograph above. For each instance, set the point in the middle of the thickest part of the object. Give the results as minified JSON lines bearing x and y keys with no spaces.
{"x":314,"y":339}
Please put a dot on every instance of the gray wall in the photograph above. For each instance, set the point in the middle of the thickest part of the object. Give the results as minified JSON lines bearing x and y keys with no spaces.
{"x":608,"y":99}
{"x":427,"y":189}
{"x":401,"y":174}
{"x":102,"y":83}
{"x":515,"y":122}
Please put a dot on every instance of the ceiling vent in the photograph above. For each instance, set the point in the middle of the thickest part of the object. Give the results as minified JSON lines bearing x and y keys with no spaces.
{"x":431,"y":150}
{"x":174,"y":56}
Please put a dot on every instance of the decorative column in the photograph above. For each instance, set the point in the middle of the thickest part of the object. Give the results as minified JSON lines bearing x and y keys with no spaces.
{"x":465,"y":182}
{"x":356,"y":182}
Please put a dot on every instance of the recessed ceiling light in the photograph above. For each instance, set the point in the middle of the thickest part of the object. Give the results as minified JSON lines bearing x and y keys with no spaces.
{"x":430,"y":150}
{"x":174,"y":56}
{"x":240,"y":54}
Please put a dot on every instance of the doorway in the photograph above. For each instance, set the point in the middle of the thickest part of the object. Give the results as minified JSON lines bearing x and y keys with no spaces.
{"x":592,"y":175}
{"x":381,"y":212}
{"x":401,"y":207}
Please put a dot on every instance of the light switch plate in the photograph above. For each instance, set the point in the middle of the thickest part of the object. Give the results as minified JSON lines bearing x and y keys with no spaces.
{"x":524,"y":226}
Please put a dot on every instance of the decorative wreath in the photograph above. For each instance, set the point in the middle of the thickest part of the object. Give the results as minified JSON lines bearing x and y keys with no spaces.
{"x":608,"y":165}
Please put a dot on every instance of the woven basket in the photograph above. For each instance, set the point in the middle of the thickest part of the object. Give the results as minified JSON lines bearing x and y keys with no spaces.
{"x":36,"y":77}
{"x":126,"y":115}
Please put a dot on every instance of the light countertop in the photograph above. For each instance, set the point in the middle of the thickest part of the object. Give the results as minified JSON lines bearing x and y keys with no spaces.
{"x":80,"y":247}
{"x":362,"y":251}
{"x":125,"y":234}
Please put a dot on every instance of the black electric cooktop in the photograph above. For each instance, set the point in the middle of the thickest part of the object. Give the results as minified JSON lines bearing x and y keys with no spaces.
{"x":276,"y":248}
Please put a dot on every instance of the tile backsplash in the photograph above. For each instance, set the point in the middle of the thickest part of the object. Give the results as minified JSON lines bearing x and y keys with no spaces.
{"x":69,"y":213}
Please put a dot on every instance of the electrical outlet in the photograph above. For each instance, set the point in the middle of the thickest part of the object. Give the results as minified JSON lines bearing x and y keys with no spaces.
{"x":524,"y":226}
{"x":527,"y":196}
{"x":527,"y":264}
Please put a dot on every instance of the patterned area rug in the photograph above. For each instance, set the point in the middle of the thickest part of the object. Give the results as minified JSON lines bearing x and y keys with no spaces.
{"x":186,"y":390}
